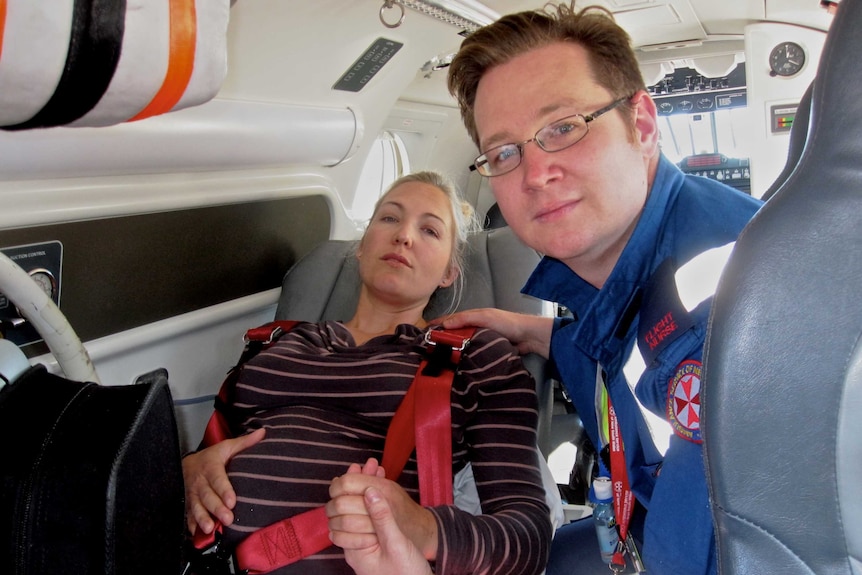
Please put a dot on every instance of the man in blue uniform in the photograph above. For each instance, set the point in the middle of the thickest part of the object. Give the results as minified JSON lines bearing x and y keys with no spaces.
{"x":569,"y":138}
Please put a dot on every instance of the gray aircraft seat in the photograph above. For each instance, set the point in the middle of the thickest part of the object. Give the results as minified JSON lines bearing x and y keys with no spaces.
{"x":782,"y":394}
{"x":324,"y":285}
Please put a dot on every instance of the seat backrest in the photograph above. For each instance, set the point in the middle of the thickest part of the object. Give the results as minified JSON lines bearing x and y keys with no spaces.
{"x":324,"y":285}
{"x":782,"y":395}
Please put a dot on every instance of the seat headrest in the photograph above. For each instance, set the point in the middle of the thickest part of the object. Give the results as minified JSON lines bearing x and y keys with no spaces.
{"x":324,"y":284}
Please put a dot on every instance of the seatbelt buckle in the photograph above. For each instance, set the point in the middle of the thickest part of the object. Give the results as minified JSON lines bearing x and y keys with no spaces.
{"x":453,"y":340}
{"x":264,"y":335}
{"x":207,"y":555}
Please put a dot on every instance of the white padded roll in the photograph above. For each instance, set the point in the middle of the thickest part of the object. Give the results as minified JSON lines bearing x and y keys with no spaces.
{"x":145,"y":59}
{"x":35,"y":44}
{"x":210,"y":53}
{"x":142,"y":66}
{"x":152,"y":57}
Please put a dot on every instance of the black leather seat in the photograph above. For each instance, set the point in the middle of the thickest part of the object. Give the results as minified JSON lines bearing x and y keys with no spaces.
{"x":782,"y":397}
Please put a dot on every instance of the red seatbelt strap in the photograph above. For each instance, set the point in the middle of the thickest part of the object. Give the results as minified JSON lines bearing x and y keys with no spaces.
{"x":422,"y":420}
{"x":623,"y":496}
{"x":284,"y":542}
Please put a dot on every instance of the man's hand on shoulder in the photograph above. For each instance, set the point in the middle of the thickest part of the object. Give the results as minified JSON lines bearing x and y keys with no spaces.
{"x":529,"y":333}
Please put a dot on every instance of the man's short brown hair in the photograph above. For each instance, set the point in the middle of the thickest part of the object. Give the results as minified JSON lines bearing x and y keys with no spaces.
{"x":612,"y":59}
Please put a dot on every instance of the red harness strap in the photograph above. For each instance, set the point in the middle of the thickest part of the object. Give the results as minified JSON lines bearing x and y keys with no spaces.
{"x":256,"y":339}
{"x":423,"y":420}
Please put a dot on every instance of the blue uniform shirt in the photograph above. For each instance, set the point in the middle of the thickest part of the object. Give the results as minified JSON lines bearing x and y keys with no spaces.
{"x":683,"y":217}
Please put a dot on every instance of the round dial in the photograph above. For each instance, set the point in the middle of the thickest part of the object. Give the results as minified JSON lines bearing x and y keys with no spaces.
{"x":786,"y":59}
{"x":45,"y":280}
{"x":704,"y":103}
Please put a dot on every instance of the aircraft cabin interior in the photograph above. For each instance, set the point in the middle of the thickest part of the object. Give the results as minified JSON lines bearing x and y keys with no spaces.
{"x":162,"y":194}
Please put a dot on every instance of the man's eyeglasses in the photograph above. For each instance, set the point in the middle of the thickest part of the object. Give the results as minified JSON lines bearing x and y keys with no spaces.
{"x":554,"y":137}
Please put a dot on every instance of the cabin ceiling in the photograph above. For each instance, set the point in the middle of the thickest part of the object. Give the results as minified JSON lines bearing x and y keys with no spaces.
{"x":661,"y":22}
{"x":707,"y":35}
{"x":652,"y":23}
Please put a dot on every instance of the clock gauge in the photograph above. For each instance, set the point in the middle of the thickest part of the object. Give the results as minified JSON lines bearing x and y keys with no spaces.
{"x":45,"y":280}
{"x":786,"y":59}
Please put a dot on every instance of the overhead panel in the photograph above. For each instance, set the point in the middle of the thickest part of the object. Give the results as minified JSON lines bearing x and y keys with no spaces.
{"x":657,"y":23}
{"x":685,"y":91}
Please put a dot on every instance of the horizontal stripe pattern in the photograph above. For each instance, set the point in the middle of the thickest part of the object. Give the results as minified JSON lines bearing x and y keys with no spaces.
{"x":327,"y":403}
{"x":141,"y":68}
{"x":35,"y":44}
{"x":94,"y":50}
{"x":2,"y":25}
{"x":182,"y":23}
{"x":210,"y":67}
{"x":102,"y":62}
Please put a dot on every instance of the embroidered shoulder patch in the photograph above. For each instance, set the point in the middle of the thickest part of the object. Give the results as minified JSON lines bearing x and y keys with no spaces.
{"x":683,"y":400}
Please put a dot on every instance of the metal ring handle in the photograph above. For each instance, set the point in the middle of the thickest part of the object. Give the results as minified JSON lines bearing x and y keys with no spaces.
{"x":389,"y":4}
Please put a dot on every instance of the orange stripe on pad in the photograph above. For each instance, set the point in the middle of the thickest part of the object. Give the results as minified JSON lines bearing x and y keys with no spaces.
{"x":2,"y":24}
{"x":182,"y":59}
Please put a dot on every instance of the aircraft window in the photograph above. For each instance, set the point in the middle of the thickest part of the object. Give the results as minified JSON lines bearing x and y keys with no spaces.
{"x":718,"y":132}
{"x":709,"y":144}
{"x":386,"y":162}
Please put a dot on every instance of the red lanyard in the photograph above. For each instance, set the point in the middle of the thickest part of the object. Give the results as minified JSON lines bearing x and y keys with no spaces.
{"x":623,"y":496}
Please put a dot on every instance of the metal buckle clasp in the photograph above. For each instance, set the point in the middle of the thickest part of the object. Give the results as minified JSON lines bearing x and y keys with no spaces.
{"x":457,"y":343}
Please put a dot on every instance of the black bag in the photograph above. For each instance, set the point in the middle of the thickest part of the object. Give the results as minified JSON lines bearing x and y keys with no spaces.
{"x":90,"y":479}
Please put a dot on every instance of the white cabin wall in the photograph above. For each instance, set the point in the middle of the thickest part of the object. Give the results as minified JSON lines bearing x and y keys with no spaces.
{"x":276,"y":117}
{"x":768,"y":149}
{"x":277,"y":62}
{"x":252,"y":143}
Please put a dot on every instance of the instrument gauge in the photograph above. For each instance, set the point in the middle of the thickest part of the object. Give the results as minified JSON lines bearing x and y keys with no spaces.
{"x":786,"y":59}
{"x":45,"y":280}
